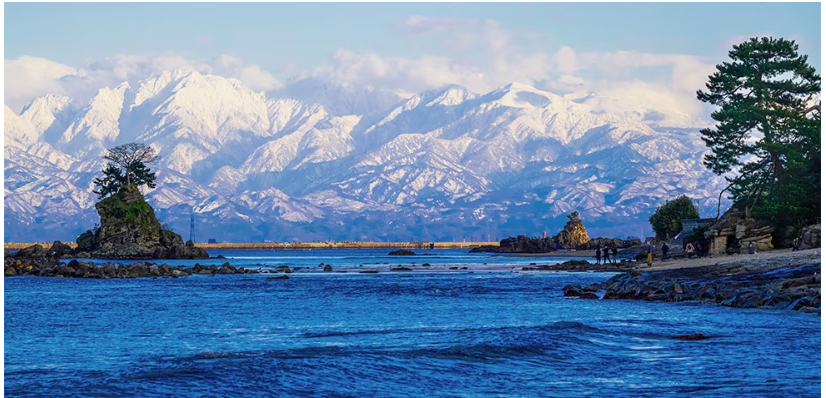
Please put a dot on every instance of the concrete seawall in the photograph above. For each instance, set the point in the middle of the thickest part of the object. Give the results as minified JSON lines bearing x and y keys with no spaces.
{"x":306,"y":245}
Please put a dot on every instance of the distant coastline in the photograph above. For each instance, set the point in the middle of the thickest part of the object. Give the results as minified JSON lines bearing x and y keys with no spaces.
{"x":304,"y":245}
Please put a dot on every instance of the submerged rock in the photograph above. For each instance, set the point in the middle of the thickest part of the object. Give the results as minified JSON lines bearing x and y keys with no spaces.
{"x":690,"y":337}
{"x":402,"y":252}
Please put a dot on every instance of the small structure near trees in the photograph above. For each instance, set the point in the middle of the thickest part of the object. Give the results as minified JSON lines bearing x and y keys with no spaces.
{"x":667,"y":219}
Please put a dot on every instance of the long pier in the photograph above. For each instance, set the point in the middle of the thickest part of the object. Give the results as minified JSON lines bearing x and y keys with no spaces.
{"x":304,"y":245}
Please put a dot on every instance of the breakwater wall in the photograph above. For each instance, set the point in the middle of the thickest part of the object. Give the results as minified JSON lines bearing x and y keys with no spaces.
{"x":304,"y":245}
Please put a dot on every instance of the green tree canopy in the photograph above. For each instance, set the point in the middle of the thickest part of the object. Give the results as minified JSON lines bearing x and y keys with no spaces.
{"x":127,"y":165}
{"x":767,"y":136}
{"x":666,"y":219}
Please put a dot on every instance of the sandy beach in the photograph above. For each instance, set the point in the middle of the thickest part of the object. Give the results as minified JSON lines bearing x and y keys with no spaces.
{"x":773,"y":259}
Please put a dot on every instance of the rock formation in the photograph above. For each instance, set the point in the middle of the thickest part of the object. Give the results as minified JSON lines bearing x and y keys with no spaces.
{"x":810,"y":236}
{"x":791,"y":284}
{"x":130,"y":230}
{"x":520,"y":244}
{"x":573,"y":235}
{"x":733,"y":232}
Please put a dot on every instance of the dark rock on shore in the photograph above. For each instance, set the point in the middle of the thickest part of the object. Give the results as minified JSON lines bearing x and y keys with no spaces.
{"x":792,"y":287}
{"x":402,"y":252}
{"x":519,"y":244}
{"x":130,"y":230}
{"x":32,"y":252}
{"x":582,"y":265}
{"x":59,"y":249}
{"x":52,"y":267}
{"x":524,"y":244}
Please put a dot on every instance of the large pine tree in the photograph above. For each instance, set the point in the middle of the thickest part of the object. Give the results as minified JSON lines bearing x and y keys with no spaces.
{"x":127,"y":165}
{"x":765,"y":132}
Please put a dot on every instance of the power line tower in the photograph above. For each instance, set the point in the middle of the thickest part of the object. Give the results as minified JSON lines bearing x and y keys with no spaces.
{"x":192,"y":226}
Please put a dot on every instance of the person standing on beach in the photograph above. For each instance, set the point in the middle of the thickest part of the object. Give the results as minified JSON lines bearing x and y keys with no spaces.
{"x":665,"y":251}
{"x":751,"y":247}
{"x":650,"y":257}
{"x":599,"y":254}
{"x":689,"y":250}
{"x":614,"y":252}
{"x":795,"y":244}
{"x":605,"y":255}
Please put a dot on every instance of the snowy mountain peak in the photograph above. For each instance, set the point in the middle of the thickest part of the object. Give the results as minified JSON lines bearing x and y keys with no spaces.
{"x":434,"y":165}
{"x":518,"y":95}
{"x":448,"y":96}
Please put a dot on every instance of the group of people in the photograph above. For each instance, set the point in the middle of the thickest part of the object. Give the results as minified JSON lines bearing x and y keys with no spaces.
{"x":604,"y":255}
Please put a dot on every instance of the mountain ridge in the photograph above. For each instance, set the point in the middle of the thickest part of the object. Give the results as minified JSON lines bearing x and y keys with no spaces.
{"x":443,"y":163}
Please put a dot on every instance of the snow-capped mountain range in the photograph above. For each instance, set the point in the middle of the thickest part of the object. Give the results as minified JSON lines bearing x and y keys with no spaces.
{"x":333,"y":162}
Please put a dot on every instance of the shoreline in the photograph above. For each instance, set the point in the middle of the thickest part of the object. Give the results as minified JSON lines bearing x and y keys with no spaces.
{"x":305,"y":245}
{"x":779,"y":279}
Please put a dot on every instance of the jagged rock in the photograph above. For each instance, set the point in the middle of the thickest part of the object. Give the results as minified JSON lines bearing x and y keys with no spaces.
{"x":31,"y":252}
{"x":85,"y":242}
{"x":59,"y":249}
{"x":572,"y":290}
{"x":129,"y":229}
{"x":811,"y":237}
{"x":520,"y":244}
{"x":733,"y":232}
{"x":226,"y":268}
{"x":573,"y":234}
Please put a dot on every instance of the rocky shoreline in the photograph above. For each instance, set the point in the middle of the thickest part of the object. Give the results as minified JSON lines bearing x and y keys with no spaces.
{"x":50,"y":267}
{"x":792,"y":283}
{"x":583,"y":266}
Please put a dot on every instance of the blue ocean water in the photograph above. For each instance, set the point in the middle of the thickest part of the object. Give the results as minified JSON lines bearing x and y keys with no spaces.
{"x":389,"y":334}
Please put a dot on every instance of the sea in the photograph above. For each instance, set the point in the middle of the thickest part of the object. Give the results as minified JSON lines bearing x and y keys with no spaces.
{"x":429,"y":332}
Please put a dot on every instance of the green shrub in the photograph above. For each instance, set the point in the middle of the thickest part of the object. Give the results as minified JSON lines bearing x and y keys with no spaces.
{"x":666,"y":219}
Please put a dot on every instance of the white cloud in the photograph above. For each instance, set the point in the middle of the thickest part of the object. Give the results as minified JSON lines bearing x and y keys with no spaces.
{"x":396,"y":73}
{"x":28,"y":77}
{"x":620,"y":81}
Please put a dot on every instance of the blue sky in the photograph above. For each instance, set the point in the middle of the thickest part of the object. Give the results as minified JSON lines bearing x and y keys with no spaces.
{"x":305,"y":34}
{"x":636,"y":56}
